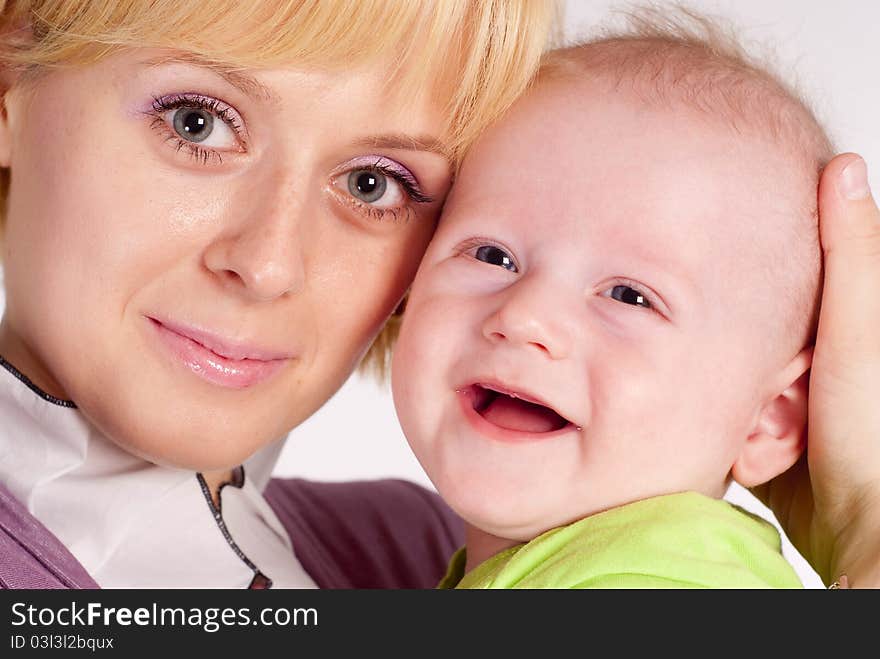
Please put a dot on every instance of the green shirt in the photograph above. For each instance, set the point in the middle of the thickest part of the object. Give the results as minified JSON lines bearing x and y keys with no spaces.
{"x":684,"y":540}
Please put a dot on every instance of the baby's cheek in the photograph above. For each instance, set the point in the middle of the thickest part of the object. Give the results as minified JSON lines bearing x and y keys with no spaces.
{"x":413,"y":364}
{"x":639,"y":386}
{"x":462,"y":276}
{"x":431,"y":338}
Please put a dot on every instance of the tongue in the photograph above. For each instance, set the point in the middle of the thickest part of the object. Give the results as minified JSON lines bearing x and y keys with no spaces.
{"x":517,"y":414}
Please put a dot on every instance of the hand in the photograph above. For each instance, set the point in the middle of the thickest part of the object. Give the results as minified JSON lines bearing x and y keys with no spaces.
{"x":831,"y":511}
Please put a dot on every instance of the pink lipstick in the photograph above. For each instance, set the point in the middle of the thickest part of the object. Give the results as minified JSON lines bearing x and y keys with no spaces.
{"x":216,"y":359}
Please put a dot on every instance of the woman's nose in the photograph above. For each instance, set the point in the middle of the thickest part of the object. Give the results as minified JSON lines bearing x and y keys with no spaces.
{"x":262,"y":257}
{"x":533,"y":317}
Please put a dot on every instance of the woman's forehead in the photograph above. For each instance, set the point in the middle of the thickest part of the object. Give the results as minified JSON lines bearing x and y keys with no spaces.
{"x":475,"y":56}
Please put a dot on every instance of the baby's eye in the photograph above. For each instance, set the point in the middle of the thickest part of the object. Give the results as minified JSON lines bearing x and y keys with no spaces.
{"x":373,"y":187}
{"x":629,"y":295}
{"x":200,"y":126}
{"x":494,"y":255}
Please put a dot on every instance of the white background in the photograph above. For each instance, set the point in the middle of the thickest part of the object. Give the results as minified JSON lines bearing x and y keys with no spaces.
{"x":830,"y":48}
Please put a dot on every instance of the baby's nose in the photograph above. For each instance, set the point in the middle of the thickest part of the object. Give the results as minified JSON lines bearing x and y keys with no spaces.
{"x":528,"y":318}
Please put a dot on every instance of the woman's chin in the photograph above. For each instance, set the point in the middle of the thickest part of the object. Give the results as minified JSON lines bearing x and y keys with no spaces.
{"x":186,"y":441}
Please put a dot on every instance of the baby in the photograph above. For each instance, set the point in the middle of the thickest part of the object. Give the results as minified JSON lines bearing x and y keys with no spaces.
{"x":614,"y":320}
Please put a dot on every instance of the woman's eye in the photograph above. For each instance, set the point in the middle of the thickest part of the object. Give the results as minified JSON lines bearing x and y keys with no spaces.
{"x":378,"y":187}
{"x":192,"y":124}
{"x":200,"y":126}
{"x":375,"y":188}
{"x":495,"y":256}
{"x":629,"y":295}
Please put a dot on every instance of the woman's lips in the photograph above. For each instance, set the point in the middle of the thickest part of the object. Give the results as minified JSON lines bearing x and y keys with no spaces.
{"x":218,"y":361}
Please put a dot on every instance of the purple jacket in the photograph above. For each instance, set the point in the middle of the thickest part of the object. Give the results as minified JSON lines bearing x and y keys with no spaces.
{"x":363,"y":534}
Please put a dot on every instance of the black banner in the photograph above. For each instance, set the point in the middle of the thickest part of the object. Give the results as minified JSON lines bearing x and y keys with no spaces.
{"x":275,"y":622}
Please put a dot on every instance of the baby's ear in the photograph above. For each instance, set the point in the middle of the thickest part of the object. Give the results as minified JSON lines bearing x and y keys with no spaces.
{"x":780,"y":433}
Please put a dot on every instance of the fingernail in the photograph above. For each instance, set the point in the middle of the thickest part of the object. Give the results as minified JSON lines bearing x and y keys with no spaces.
{"x":854,"y":181}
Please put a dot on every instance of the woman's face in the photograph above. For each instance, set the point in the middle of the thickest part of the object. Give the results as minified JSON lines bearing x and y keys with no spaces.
{"x":199,"y":259}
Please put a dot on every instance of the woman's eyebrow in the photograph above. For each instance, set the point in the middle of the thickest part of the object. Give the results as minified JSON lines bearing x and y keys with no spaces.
{"x":406,"y":143}
{"x":250,"y":86}
{"x":245,"y":83}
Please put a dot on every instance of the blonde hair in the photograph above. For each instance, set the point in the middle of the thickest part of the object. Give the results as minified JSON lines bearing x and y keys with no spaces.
{"x":483,"y":52}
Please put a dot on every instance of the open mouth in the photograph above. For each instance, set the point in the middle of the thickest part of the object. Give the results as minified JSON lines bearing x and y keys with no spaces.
{"x":511,"y":411}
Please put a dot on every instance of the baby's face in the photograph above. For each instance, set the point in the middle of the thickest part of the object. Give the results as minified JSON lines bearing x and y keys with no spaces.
{"x":589,"y":324}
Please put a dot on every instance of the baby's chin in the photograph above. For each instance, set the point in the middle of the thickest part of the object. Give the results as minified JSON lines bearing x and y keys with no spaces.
{"x":520,"y":520}
{"x":523,"y":518}
{"x":516,"y":529}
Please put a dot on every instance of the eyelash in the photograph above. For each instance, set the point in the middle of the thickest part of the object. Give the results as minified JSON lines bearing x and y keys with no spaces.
{"x":204,"y":156}
{"x":406,"y":181}
{"x":200,"y":154}
{"x":640,"y":289}
{"x":476,"y":243}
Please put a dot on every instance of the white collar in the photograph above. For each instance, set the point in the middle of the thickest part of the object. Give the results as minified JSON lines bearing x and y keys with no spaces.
{"x":132,"y":523}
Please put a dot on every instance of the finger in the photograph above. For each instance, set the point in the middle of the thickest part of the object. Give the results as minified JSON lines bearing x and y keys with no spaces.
{"x":847,"y":211}
{"x":849,"y":224}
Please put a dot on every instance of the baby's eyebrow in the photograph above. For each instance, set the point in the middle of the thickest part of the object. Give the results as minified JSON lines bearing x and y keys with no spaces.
{"x":675,"y":279}
{"x":246,"y":84}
